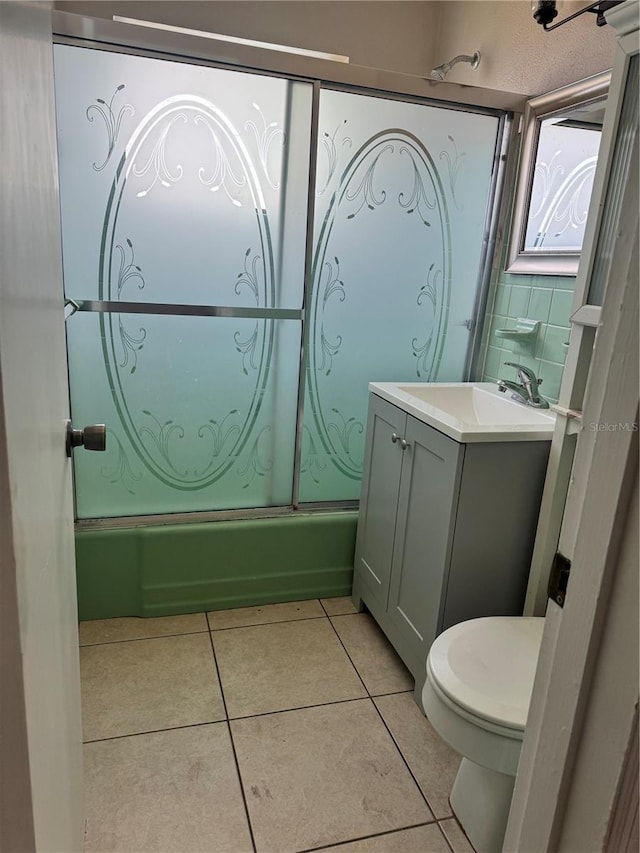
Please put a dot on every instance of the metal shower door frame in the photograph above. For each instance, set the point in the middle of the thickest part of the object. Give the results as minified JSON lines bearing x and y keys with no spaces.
{"x":100,"y":34}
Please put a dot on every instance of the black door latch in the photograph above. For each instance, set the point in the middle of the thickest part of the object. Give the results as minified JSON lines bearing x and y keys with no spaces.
{"x":559,"y":578}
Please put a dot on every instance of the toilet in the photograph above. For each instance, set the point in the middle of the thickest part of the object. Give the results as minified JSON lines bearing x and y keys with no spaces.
{"x":476,"y":696}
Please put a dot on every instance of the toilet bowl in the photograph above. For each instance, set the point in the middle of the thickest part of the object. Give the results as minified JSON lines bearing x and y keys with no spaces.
{"x":476,"y":696}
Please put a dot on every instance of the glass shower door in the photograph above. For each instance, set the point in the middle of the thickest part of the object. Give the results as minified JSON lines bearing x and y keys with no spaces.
{"x":401,"y":208}
{"x":184,"y":198}
{"x":184,"y":193}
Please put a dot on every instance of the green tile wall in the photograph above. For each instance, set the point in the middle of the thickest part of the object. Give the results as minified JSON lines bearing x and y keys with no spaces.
{"x":545,"y":298}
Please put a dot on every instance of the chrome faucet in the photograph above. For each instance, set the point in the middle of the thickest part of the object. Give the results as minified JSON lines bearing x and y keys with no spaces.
{"x":526,"y":391}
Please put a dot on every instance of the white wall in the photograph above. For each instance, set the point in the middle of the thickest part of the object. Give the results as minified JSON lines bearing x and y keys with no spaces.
{"x":409,"y":36}
{"x":517,"y":54}
{"x":392,"y":34}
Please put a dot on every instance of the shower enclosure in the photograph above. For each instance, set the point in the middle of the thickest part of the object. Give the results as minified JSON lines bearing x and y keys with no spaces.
{"x":243,"y":253}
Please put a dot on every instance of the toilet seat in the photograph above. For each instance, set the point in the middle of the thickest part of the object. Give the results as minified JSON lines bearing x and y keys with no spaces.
{"x":484,"y":669}
{"x":511,"y":732}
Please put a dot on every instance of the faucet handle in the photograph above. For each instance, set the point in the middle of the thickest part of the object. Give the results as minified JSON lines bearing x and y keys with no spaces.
{"x":524,"y":370}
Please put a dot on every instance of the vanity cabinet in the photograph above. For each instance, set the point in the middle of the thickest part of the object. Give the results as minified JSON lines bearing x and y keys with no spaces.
{"x":445,"y":531}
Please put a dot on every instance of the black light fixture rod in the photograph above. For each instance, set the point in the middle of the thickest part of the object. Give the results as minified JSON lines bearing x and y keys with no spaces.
{"x":591,"y":8}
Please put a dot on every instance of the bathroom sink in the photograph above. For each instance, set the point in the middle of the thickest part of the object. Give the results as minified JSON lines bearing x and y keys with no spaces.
{"x":469,"y":411}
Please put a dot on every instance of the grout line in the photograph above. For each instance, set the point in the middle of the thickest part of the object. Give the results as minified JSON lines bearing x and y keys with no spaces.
{"x":391,"y":693}
{"x":348,"y":655}
{"x":136,"y":639}
{"x":459,"y":825}
{"x":406,"y":763}
{"x":340,"y":615}
{"x":366,"y":695}
{"x":233,"y":746}
{"x":367,"y":837}
{"x":264,"y":624}
{"x":300,"y":708}
{"x":348,"y":613}
{"x":203,"y":630}
{"x":369,"y":694}
{"x":446,"y":837}
{"x":422,"y":794}
{"x":155,"y":731}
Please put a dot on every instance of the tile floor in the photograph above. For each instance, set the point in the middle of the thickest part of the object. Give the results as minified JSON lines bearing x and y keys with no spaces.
{"x":281,"y":728}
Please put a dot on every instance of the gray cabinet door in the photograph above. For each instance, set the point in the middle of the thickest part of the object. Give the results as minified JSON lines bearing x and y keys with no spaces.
{"x":429,"y":488}
{"x":379,"y":499}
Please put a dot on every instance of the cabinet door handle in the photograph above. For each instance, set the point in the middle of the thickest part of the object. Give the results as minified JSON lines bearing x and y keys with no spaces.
{"x":395,"y":437}
{"x":404,"y":444}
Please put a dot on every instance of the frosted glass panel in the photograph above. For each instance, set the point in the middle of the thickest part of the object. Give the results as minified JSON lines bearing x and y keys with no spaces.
{"x":401,"y":206}
{"x":183,"y":184}
{"x":200,"y":411}
{"x":180,"y":183}
{"x":565,"y":166}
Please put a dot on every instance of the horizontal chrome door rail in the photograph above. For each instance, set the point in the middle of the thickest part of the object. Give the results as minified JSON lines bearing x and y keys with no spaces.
{"x":175,"y":310}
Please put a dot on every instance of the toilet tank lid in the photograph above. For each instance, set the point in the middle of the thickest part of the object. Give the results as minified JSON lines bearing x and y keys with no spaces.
{"x":487,"y":666}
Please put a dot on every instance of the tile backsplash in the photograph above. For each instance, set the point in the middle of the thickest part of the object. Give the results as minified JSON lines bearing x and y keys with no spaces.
{"x":547,"y":299}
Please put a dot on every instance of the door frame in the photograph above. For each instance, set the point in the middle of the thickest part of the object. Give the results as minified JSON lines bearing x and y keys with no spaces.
{"x":41,"y":802}
{"x":597,"y":527}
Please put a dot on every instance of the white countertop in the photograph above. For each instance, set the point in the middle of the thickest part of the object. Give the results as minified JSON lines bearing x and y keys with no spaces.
{"x":469,"y":411}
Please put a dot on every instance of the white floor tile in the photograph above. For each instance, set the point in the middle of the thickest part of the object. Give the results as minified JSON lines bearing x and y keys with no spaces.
{"x":167,"y":792}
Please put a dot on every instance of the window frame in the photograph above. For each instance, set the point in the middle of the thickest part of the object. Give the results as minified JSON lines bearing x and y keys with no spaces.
{"x":519,"y":261}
